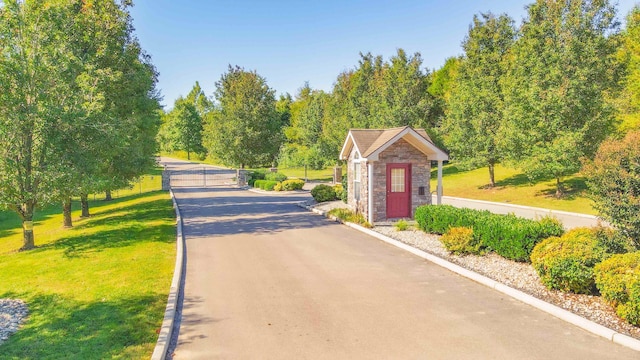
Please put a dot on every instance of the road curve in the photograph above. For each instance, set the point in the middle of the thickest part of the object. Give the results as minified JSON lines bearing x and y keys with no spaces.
{"x":268,"y":280}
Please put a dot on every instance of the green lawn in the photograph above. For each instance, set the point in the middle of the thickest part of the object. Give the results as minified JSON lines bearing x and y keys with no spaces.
{"x":97,"y":290}
{"x":513,"y":187}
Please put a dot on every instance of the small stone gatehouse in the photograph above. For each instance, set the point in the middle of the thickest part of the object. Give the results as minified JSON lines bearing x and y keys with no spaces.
{"x":389,"y":170}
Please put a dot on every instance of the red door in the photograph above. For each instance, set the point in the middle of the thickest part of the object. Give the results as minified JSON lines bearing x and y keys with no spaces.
{"x":398,"y":190}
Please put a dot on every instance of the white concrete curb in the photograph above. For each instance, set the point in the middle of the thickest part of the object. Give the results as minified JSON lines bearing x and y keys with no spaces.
{"x":586,"y":216}
{"x":553,"y":310}
{"x":164,"y":338}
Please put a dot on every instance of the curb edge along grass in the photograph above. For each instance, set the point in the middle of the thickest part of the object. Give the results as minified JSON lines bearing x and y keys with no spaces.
{"x":551,"y":309}
{"x":543,"y":210}
{"x":164,"y":338}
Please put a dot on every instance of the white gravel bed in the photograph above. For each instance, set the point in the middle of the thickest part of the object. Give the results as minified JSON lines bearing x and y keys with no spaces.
{"x":12,"y":314}
{"x":517,"y":275}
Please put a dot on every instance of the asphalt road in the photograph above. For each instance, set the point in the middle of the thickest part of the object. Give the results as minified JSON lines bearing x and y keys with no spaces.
{"x":268,"y":280}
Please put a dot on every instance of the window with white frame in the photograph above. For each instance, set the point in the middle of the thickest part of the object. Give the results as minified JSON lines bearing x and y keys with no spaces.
{"x":356,"y":180}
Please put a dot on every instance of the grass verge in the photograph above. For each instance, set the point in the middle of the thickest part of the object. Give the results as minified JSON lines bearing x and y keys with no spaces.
{"x":97,"y":290}
{"x":513,"y":187}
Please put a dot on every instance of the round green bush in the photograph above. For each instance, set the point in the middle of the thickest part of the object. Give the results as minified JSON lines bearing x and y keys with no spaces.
{"x":618,"y":279}
{"x":460,"y":240}
{"x":292,"y":184}
{"x":566,"y":263}
{"x":322,"y":193}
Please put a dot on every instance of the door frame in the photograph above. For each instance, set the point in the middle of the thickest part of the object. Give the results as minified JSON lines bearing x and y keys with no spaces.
{"x":407,"y":184}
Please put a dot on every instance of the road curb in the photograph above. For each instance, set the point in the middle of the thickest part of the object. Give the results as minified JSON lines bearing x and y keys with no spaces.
{"x":551,"y":309}
{"x":164,"y":337}
{"x":543,"y":210}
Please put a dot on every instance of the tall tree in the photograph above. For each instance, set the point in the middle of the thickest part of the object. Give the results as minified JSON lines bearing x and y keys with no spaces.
{"x":561,"y":69}
{"x":245,"y":129}
{"x":188,"y":123}
{"x":628,"y":103}
{"x":475,"y":108}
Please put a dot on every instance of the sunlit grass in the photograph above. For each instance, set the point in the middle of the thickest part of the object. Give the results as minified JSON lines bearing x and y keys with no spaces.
{"x":513,"y":187}
{"x":310,"y":174}
{"x":97,"y":290}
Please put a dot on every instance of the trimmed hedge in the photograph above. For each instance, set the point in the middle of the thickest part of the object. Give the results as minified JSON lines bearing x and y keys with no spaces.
{"x":508,"y":235}
{"x":566,"y":263}
{"x":292,"y":184}
{"x":322,"y":193}
{"x":266,"y":185}
{"x":618,"y":279}
{"x":278,"y":177}
{"x":460,"y":241}
{"x":253,"y":175}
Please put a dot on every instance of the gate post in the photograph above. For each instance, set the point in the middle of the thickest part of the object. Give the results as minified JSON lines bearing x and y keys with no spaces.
{"x":241,"y":177}
{"x":166,"y":179}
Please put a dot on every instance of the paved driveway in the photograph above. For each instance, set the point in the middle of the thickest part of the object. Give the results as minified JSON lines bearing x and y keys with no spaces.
{"x":268,"y":280}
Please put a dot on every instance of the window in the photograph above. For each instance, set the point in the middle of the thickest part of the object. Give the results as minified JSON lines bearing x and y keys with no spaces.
{"x":356,"y":181}
{"x":397,"y":180}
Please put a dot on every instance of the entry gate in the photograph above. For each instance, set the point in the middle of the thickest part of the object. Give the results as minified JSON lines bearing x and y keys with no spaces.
{"x":202,"y":176}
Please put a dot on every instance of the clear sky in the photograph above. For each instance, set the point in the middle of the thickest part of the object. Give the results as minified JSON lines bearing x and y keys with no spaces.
{"x":289,"y":42}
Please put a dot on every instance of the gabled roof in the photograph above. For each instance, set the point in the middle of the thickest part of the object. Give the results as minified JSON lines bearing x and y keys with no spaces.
{"x":369,"y":143}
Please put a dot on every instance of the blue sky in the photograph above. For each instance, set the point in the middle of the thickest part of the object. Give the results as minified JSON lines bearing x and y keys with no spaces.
{"x":289,"y":42}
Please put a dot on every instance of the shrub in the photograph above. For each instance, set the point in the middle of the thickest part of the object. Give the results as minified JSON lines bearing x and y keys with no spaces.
{"x":614,"y":180}
{"x":618,"y":279}
{"x":339,"y":190}
{"x":401,"y":225}
{"x":350,"y":216}
{"x":508,"y":235}
{"x":566,"y":263}
{"x":292,"y":184}
{"x":253,"y":175}
{"x":278,"y":177}
{"x":267,"y":185}
{"x":322,"y":193}
{"x":460,"y":240}
{"x":345,"y":187}
{"x":278,"y":187}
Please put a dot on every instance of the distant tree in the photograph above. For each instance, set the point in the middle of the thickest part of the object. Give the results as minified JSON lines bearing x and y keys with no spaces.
{"x":188,"y":124}
{"x":245,"y":128}
{"x":613,"y":177}
{"x":561,"y":69}
{"x":474,"y":116}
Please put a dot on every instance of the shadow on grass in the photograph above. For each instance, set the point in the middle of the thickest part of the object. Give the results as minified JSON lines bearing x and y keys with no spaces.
{"x":119,"y":228}
{"x":516,"y":180}
{"x":573,"y":188}
{"x":64,"y":328}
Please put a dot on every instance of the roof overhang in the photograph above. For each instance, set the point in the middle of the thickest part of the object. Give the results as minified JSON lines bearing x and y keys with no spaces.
{"x":416,"y":140}
{"x":348,"y":146}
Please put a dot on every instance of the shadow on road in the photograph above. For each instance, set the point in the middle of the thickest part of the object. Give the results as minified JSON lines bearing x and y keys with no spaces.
{"x":223,"y":211}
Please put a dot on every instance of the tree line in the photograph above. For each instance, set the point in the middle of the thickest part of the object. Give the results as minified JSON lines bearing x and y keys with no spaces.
{"x":79,"y":110}
{"x":539,"y":96}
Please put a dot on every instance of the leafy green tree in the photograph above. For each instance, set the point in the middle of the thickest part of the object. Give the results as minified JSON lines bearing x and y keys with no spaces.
{"x":245,"y":128}
{"x":628,"y":103}
{"x":613,"y":177}
{"x":189,"y":126}
{"x":476,"y":101}
{"x":562,"y":68}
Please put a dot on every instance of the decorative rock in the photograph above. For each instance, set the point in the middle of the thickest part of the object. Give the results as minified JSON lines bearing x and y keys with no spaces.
{"x":12,"y":315}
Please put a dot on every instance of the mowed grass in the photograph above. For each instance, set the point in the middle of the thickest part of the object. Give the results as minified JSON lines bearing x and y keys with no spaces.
{"x":97,"y":290}
{"x":513,"y":187}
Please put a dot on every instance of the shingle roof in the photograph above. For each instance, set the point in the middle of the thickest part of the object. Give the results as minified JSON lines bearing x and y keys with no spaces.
{"x":370,"y":141}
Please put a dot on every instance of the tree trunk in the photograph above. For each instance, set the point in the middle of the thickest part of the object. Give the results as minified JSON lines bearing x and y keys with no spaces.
{"x":188,"y":154}
{"x":559,"y":188}
{"x":492,"y":176}
{"x":84,"y":201}
{"x":107,"y":195}
{"x":27,"y":210}
{"x":66,"y":213}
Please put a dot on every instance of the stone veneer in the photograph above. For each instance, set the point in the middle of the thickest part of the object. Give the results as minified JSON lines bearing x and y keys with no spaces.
{"x":400,"y":152}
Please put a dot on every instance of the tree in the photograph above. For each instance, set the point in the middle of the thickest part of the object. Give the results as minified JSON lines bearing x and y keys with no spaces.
{"x":613,"y":177}
{"x":628,"y":103}
{"x":245,"y":127}
{"x":561,"y":70}
{"x":189,"y":126}
{"x":474,"y":116}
